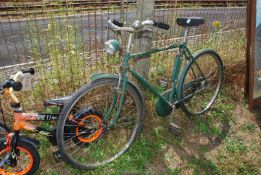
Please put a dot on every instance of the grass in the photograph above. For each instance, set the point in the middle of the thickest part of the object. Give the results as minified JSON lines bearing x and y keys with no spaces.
{"x":204,"y":147}
{"x":236,"y":145}
{"x":248,"y":127}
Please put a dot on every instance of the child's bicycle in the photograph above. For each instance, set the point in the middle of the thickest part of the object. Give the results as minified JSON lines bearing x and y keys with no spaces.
{"x":18,"y":154}
{"x":118,"y":104}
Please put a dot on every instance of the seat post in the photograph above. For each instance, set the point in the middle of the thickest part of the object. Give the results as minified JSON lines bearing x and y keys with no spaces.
{"x":186,"y":34}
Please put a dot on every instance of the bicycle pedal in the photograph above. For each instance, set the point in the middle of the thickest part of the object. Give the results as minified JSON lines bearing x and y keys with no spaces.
{"x":174,"y":129}
{"x":57,"y":156}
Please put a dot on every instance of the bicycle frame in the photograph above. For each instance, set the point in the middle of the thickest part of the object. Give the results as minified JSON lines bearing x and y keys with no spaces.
{"x":125,"y":68}
{"x":21,"y":118}
{"x":184,"y":52}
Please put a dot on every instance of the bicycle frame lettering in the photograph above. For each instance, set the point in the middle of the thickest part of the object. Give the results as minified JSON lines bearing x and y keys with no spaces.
{"x":21,"y":118}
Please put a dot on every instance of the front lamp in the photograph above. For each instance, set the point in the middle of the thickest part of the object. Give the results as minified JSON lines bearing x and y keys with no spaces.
{"x":111,"y":46}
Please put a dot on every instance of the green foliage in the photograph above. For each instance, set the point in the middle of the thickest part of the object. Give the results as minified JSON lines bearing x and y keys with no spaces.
{"x":203,"y":166}
{"x":248,"y":127}
{"x":44,"y":143}
{"x":134,"y":161}
{"x":52,"y":110}
{"x":204,"y":128}
{"x":246,"y":168}
{"x":235,"y":145}
{"x":53,"y":172}
{"x":63,"y":70}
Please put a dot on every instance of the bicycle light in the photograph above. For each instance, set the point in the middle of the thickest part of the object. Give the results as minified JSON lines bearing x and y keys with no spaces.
{"x":112,"y":46}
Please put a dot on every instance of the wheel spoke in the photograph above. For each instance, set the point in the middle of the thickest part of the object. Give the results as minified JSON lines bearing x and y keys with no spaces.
{"x":201,"y":83}
{"x":92,"y":144}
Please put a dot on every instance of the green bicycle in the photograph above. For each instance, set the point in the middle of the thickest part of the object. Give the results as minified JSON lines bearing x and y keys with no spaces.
{"x":107,"y":114}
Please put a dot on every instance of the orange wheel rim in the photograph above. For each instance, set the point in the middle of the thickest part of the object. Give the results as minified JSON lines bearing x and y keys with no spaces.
{"x":96,"y":134}
{"x":26,"y":170}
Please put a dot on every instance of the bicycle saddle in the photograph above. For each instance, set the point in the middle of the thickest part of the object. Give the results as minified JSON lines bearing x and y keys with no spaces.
{"x":56,"y":101}
{"x":190,"y":21}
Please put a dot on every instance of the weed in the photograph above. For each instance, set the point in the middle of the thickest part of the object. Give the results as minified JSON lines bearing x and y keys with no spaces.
{"x":248,"y":127}
{"x":53,"y":172}
{"x":246,"y":168}
{"x":135,"y":160}
{"x":204,"y":128}
{"x":44,"y":144}
{"x":52,"y":110}
{"x":203,"y":166}
{"x":235,"y":145}
{"x":175,"y":171}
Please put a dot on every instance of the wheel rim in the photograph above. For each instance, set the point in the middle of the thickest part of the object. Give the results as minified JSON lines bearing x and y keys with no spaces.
{"x":111,"y":143}
{"x":204,"y":88}
{"x":17,"y":170}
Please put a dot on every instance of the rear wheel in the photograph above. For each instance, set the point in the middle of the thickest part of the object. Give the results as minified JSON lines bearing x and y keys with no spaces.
{"x":82,"y":135}
{"x":27,"y":160}
{"x":201,"y":82}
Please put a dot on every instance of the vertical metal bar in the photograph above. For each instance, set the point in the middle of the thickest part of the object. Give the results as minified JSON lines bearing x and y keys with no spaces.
{"x":174,"y":78}
{"x":129,"y":43}
{"x":185,"y":35}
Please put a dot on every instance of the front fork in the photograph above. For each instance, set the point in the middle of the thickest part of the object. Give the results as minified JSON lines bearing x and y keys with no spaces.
{"x":117,"y":100}
{"x":12,"y":141}
{"x":121,"y":88}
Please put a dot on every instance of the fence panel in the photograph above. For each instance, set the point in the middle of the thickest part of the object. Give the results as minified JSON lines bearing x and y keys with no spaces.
{"x":63,"y":40}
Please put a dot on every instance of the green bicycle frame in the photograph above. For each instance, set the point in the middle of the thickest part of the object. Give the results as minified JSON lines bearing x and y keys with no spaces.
{"x":125,"y":68}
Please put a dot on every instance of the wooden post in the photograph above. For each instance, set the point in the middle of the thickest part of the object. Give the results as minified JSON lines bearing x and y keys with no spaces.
{"x":143,"y":40}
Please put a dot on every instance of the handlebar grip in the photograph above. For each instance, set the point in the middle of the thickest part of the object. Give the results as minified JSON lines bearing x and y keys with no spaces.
{"x":161,"y":25}
{"x":17,"y":86}
{"x":30,"y":70}
{"x":117,"y":23}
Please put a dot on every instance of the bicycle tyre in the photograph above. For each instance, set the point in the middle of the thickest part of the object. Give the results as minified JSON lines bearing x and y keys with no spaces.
{"x":192,"y":82}
{"x":24,"y":148}
{"x":114,"y":153}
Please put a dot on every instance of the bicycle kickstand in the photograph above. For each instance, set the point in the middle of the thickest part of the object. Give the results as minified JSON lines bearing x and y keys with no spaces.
{"x":173,"y":128}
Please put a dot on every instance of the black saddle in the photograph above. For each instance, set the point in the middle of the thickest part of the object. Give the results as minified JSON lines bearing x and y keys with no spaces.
{"x":56,"y":101}
{"x":190,"y":21}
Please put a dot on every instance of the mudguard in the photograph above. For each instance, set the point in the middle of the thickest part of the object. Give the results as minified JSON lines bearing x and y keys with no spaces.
{"x":115,"y":76}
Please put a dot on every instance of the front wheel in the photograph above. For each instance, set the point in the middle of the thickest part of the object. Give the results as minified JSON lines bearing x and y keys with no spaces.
{"x":200,"y":82}
{"x":83,"y":136}
{"x":27,"y":159}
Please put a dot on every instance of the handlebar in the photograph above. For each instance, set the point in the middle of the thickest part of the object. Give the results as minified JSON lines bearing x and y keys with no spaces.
{"x":117,"y":23}
{"x":14,"y":84}
{"x":136,"y":26}
{"x":17,"y":86}
{"x":115,"y":27}
{"x":14,"y":81}
{"x":161,"y":25}
{"x":30,"y":71}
